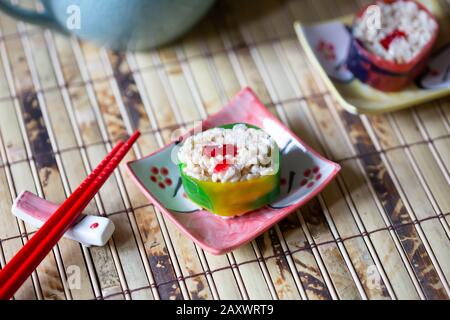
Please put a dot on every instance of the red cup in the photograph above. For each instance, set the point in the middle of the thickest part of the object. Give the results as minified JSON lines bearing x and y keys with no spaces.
{"x":383,"y":74}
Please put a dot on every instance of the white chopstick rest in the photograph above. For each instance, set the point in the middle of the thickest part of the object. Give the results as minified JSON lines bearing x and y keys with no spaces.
{"x":89,"y":230}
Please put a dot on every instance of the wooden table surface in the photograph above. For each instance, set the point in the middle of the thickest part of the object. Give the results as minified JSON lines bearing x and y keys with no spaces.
{"x":378,"y":231}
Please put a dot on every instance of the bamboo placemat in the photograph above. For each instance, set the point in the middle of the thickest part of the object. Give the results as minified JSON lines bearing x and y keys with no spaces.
{"x":379,"y":231}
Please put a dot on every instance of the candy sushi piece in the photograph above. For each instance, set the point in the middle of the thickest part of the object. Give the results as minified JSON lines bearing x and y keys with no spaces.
{"x":231,"y":169}
{"x":391,"y":40}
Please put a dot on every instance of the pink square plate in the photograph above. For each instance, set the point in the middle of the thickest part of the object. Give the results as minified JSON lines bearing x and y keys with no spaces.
{"x":304,"y":173}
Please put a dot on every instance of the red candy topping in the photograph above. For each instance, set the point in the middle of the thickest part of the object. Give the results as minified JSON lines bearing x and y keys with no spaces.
{"x":386,"y":41}
{"x":209,"y":151}
{"x":225,"y":149}
{"x":220,"y":167}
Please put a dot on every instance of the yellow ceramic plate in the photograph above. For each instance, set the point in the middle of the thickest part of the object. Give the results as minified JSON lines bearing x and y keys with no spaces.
{"x":326,"y":45}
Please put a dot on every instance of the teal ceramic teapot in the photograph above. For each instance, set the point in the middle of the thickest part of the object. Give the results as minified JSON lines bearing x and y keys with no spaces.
{"x":118,"y":24}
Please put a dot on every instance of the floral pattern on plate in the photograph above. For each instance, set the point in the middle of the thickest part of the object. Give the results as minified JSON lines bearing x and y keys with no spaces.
{"x":331,"y":43}
{"x":437,"y":75}
{"x":304,"y":173}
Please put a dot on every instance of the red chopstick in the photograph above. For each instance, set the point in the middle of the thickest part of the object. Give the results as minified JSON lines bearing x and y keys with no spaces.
{"x":48,"y":237}
{"x":6,"y":272}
